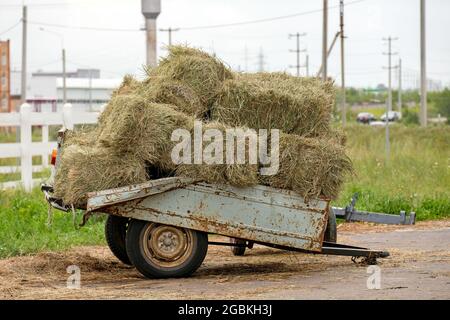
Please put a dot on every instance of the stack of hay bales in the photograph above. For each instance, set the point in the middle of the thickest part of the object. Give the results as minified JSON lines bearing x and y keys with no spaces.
{"x":312,"y":167}
{"x":276,"y":101}
{"x":242,"y":175}
{"x":132,"y":141}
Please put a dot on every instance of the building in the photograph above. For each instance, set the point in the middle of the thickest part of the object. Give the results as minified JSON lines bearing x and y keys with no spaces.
{"x":79,"y":73}
{"x":5,"y":77}
{"x":86,"y":90}
{"x":85,"y":93}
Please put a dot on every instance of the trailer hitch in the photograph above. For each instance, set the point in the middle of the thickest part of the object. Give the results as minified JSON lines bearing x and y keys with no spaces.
{"x":349,"y":213}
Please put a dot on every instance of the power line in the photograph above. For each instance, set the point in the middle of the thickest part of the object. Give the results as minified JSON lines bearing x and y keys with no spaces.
{"x":82,"y":27}
{"x":10,"y":28}
{"x":169,"y":31}
{"x":33,"y":5}
{"x":293,"y":15}
{"x":233,"y":24}
{"x":37,"y":66}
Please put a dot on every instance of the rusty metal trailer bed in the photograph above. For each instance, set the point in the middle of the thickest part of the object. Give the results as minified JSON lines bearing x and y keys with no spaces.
{"x":161,"y":226}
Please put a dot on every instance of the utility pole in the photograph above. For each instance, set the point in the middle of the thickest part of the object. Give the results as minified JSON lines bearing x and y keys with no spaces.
{"x":307,"y":65}
{"x":325,"y":41}
{"x":246,"y":58}
{"x":344,"y":107}
{"x":423,"y":65}
{"x":389,"y":101}
{"x":261,"y":61}
{"x":64,"y":76}
{"x":24,"y":55}
{"x":297,"y":51}
{"x":90,"y":89}
{"x":169,"y":31}
{"x":389,"y":68}
{"x":319,"y":73}
{"x":400,"y":86}
{"x":61,"y":37}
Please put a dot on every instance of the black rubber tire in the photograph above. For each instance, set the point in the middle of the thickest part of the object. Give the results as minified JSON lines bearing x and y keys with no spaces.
{"x":136,"y":231}
{"x":331,"y":230}
{"x":115,"y":234}
{"x":238,"y":251}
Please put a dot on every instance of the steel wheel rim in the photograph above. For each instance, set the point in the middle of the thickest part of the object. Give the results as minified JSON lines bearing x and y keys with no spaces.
{"x":166,"y":246}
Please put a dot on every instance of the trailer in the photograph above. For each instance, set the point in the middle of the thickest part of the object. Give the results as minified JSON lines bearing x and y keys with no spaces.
{"x":162,"y":226}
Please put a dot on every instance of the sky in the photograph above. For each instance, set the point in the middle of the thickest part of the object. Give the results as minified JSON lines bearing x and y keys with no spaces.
{"x":121,"y":50}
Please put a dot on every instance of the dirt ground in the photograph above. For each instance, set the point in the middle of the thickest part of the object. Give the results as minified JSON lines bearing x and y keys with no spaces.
{"x":418,"y":268}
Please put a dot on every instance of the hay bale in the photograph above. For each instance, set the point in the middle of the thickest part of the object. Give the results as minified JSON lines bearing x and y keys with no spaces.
{"x":129,"y":85}
{"x":275,"y":101}
{"x":284,"y":81}
{"x":84,"y":136}
{"x":140,"y":129}
{"x":85,"y":169}
{"x":336,"y":136}
{"x":239,"y":175}
{"x":175,"y":93}
{"x":310,"y":166}
{"x":200,"y":71}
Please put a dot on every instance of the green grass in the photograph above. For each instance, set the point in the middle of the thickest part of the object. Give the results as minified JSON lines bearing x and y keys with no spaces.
{"x":24,"y":229}
{"x":417,"y":178}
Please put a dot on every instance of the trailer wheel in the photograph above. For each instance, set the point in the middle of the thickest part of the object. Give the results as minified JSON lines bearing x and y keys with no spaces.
{"x":238,"y":251}
{"x":331,"y":231}
{"x":163,"y":251}
{"x":115,"y":233}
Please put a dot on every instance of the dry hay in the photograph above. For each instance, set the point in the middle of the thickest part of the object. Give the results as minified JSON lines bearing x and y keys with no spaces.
{"x":132,"y":142}
{"x":72,"y":140}
{"x":336,"y":135}
{"x":284,"y":81}
{"x":142,"y":130}
{"x":181,"y":96}
{"x":276,"y":101}
{"x":84,"y":136}
{"x":198,"y":70}
{"x":234,"y":174}
{"x":129,"y":85}
{"x":85,"y":169}
{"x":311,"y":167}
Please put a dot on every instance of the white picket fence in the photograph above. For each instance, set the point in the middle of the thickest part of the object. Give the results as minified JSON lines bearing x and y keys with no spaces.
{"x":26,"y":149}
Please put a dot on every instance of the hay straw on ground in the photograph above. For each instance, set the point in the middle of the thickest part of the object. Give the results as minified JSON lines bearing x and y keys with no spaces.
{"x":275,"y":101}
{"x":311,"y":167}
